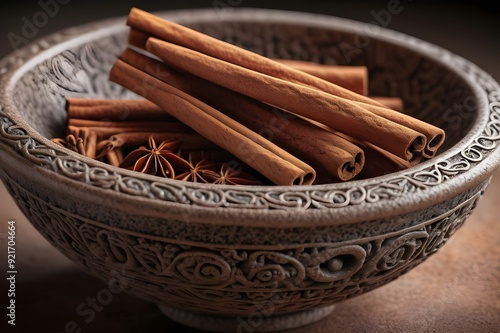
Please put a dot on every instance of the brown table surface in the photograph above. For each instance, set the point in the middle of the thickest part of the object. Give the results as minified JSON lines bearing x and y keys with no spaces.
{"x":456,"y":290}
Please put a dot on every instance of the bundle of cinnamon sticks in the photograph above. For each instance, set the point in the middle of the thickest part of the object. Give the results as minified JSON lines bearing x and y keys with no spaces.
{"x":289,"y":122}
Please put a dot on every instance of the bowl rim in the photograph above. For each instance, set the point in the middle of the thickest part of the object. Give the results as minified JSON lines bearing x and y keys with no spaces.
{"x":470,"y":161}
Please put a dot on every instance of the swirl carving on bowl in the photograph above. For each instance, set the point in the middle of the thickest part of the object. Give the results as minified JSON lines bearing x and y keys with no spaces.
{"x":99,"y":175}
{"x":193,"y":276}
{"x":82,"y":71}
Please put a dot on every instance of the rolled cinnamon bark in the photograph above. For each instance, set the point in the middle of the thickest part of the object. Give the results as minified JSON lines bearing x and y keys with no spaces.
{"x":149,"y":24}
{"x":115,"y":157}
{"x":271,"y":161}
{"x":434,"y":135}
{"x":337,"y":158}
{"x":82,"y":140}
{"x":138,"y":38}
{"x":333,"y":157}
{"x":104,"y":132}
{"x":125,"y":124}
{"x":393,"y":103}
{"x":354,"y":78}
{"x":114,"y":110}
{"x":105,"y":129}
{"x":189,"y":141}
{"x":338,"y":113}
{"x":60,"y":142}
{"x":380,"y":162}
{"x":91,"y":144}
{"x":157,"y":27}
{"x":75,"y":143}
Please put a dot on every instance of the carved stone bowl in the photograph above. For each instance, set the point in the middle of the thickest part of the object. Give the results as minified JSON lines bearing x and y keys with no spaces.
{"x":256,"y":258}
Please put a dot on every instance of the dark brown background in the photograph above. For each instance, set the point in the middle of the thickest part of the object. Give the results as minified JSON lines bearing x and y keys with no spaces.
{"x":457,"y":290}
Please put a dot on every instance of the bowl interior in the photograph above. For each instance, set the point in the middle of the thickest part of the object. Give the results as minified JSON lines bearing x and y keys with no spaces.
{"x":431,"y":91}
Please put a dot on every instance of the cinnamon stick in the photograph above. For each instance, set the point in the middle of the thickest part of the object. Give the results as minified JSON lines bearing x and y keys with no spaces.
{"x":149,"y":24}
{"x":114,"y":157}
{"x":157,"y":27}
{"x":75,"y":143}
{"x":340,"y":114}
{"x":125,"y":124}
{"x":274,"y":163}
{"x":91,"y":144}
{"x":61,"y":142}
{"x":189,"y":141}
{"x":114,"y":110}
{"x":333,"y":157}
{"x":337,"y":158}
{"x":105,"y":129}
{"x":104,"y":132}
{"x":137,"y":37}
{"x":380,"y":162}
{"x":434,"y":135}
{"x":393,"y":103}
{"x":377,"y":160}
{"x":354,"y":78}
{"x":357,"y":77}
{"x":82,"y":141}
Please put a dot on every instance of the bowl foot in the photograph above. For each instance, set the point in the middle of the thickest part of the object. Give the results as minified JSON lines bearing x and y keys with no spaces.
{"x":249,"y":323}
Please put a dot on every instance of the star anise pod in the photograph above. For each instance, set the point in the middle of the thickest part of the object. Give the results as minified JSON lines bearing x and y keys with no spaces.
{"x":198,"y":171}
{"x":231,"y":176}
{"x":155,"y":160}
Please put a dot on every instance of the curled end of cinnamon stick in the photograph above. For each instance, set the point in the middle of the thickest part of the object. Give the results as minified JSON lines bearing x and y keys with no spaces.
{"x":307,"y":179}
{"x":415,"y":148}
{"x":59,"y":141}
{"x":433,"y":145}
{"x":352,"y":168}
{"x":106,"y":146}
